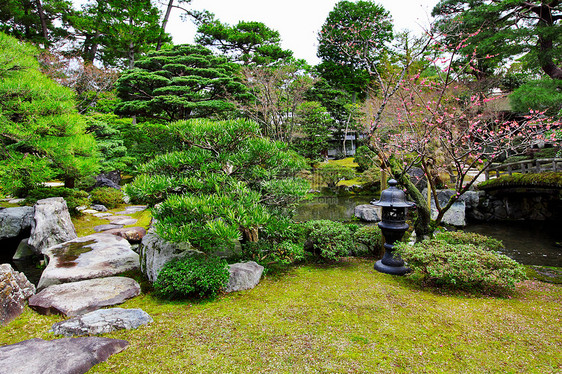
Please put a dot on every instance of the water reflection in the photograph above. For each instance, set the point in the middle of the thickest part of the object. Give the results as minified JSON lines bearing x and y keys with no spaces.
{"x":528,"y":242}
{"x":334,"y":208}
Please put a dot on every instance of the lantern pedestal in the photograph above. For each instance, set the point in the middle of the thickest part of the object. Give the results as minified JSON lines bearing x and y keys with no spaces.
{"x":393,"y":227}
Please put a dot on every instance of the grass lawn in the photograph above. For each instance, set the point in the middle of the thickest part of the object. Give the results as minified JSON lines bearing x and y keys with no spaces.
{"x":344,"y":318}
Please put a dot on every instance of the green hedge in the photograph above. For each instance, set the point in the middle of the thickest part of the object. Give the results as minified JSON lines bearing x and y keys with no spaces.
{"x":468,"y":265}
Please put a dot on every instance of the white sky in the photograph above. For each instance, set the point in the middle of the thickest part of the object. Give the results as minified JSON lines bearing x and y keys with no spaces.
{"x":298,"y":21}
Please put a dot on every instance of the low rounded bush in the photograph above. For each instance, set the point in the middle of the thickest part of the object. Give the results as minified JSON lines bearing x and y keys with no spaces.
{"x":461,"y":237}
{"x":461,"y":266}
{"x":268,"y":253}
{"x":192,"y":276}
{"x":107,"y":196}
{"x":370,"y":236}
{"x":328,"y":239}
{"x":73,"y":197}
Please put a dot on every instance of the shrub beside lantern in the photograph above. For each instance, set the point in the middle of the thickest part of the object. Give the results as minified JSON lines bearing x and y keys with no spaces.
{"x":393,"y":226}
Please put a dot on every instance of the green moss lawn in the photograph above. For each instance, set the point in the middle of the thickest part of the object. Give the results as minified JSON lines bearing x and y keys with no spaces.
{"x":344,"y":318}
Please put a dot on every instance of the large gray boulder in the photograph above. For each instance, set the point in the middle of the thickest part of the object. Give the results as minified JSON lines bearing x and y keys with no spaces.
{"x":367,"y":212}
{"x":244,"y":276}
{"x":93,"y":256}
{"x":455,"y":216}
{"x":72,"y":299}
{"x":52,"y":224}
{"x":15,"y":221}
{"x":155,"y":252}
{"x":102,"y":321}
{"x":15,"y":289}
{"x":59,"y":356}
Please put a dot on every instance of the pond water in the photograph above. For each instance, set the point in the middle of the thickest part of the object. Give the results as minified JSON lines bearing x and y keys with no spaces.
{"x":334,"y":208}
{"x":530,"y":243}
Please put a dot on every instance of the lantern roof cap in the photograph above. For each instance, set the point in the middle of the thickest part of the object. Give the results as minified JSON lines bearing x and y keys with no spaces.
{"x":393,"y":197}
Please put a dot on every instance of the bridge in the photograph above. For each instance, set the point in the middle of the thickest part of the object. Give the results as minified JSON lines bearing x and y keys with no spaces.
{"x":539,"y":165}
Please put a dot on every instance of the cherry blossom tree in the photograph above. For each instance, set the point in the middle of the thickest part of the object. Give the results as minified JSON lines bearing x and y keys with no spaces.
{"x":438,"y":124}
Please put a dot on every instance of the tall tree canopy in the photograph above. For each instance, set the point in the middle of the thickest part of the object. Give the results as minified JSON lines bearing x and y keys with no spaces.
{"x":504,"y":29}
{"x":351,"y":42}
{"x":183,"y":82}
{"x":116,"y":32}
{"x":38,"y":21}
{"x":41,"y":134}
{"x":246,"y":42}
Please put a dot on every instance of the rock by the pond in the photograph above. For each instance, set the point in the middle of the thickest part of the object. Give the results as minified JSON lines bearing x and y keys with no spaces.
{"x":244,"y":276}
{"x":72,"y":299}
{"x":23,"y":250}
{"x":367,"y":212}
{"x":59,"y":356}
{"x":132,"y":234}
{"x":15,"y":289}
{"x":107,"y":226}
{"x":99,"y":207}
{"x":104,"y":181}
{"x":88,"y":257}
{"x":455,"y":216}
{"x":15,"y":221}
{"x":52,"y":224}
{"x":102,"y":321}
{"x":155,"y":252}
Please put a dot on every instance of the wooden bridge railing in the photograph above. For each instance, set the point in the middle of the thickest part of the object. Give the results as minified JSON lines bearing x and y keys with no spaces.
{"x":526,"y":166}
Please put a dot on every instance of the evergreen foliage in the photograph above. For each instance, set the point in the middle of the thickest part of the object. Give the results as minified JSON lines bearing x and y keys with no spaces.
{"x":192,"y":276}
{"x":247,"y":42}
{"x":183,"y":82}
{"x":502,"y":29}
{"x":41,"y":134}
{"x":224,"y":183}
{"x":314,"y":131}
{"x":352,"y":39}
{"x":542,"y":95}
{"x":329,"y":240}
{"x":462,"y":264}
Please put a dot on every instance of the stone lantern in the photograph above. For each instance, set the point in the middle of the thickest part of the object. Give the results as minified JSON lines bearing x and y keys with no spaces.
{"x":393,"y":226}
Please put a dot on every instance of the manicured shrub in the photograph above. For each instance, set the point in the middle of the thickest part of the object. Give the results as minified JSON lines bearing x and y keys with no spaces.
{"x":478,"y":240}
{"x":370,"y":236}
{"x":74,"y":198}
{"x":192,"y":276}
{"x":268,"y":253}
{"x":107,"y":196}
{"x":461,"y":266}
{"x":328,"y":239}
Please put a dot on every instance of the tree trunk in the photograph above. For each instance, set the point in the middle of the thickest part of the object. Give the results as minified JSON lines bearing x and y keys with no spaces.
{"x":69,"y":182}
{"x":250,"y":235}
{"x":164,"y":23}
{"x":43,"y":20}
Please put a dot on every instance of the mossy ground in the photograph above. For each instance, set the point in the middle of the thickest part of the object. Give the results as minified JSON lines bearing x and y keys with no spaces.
{"x":343,"y":318}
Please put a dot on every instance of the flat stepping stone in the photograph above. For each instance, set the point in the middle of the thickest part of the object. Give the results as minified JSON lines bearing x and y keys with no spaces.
{"x":93,"y":256}
{"x":90,"y":211}
{"x":133,"y":209}
{"x":124,"y":221}
{"x":107,"y":226}
{"x":132,"y":234}
{"x":59,"y":356}
{"x":102,"y":321}
{"x":102,"y":215}
{"x":16,"y":201}
{"x":72,"y":299}
{"x":117,"y":217}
